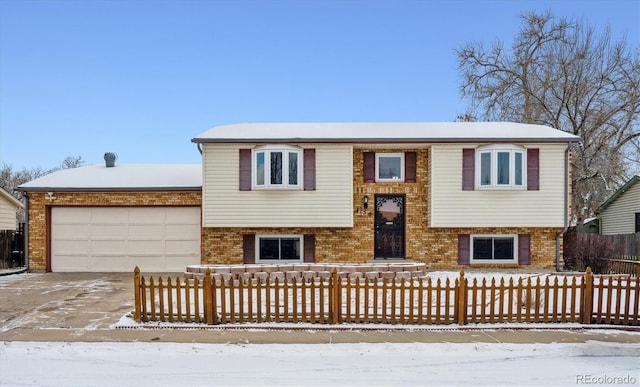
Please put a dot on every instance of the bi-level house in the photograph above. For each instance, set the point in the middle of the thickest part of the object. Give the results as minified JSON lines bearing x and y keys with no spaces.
{"x":446,"y":194}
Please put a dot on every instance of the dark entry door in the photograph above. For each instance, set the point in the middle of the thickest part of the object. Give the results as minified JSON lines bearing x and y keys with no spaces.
{"x":389,"y":226}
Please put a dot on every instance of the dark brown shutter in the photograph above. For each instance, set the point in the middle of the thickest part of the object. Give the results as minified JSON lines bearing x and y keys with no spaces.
{"x":248,"y":248}
{"x":524,"y":249}
{"x":533,"y":169}
{"x":464,"y":249}
{"x":468,"y":168}
{"x":245,"y":169}
{"x":369,"y":167}
{"x":309,"y":177}
{"x":410,"y":167}
{"x":310,"y":248}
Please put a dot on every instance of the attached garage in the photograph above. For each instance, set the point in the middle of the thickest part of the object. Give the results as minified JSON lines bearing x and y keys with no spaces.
{"x":112,"y":218}
{"x":161,"y":239}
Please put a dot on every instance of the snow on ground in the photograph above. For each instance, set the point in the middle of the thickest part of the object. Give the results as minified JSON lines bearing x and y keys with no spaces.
{"x":168,"y":364}
{"x":361,"y":364}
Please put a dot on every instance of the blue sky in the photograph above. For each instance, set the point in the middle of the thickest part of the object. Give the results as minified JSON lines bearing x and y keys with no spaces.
{"x":141,"y":78}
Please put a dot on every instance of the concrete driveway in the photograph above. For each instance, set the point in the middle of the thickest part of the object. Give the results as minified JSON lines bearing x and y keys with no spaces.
{"x":84,"y":306}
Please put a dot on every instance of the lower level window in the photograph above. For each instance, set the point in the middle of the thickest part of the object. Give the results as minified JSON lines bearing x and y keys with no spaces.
{"x":494,"y":248}
{"x":279,"y":248}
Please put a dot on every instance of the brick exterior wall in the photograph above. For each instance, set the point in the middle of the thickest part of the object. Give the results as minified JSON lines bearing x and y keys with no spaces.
{"x":436,"y":247}
{"x":39,"y":212}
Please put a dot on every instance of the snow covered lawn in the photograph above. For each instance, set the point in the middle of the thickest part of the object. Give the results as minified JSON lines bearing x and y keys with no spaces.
{"x":169,"y":364}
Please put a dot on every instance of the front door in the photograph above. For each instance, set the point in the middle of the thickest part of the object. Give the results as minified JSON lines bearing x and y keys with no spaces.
{"x":389,"y":226}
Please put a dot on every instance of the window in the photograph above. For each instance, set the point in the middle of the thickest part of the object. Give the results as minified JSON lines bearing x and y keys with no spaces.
{"x":637,"y":222}
{"x":501,"y":166}
{"x":277,"y":167}
{"x":390,"y":167}
{"x":494,"y":248}
{"x":272,"y":248}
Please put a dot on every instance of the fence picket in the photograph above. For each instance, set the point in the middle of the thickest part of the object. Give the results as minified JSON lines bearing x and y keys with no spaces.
{"x":587,"y":299}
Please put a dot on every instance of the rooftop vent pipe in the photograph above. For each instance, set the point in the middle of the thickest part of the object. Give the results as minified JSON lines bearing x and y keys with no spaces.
{"x":110,"y":159}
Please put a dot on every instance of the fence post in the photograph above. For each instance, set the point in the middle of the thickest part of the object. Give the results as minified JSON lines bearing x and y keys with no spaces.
{"x":136,"y":294}
{"x":207,"y":298}
{"x":587,"y":297}
{"x":334,"y":305}
{"x":462,"y":300}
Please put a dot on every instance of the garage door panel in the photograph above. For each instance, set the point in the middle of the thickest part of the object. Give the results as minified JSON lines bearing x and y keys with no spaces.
{"x":182,"y":247}
{"x":108,"y":231}
{"x":109,"y":215}
{"x":73,"y":215}
{"x":108,"y":247}
{"x":182,"y":215}
{"x":143,"y":216}
{"x":146,"y":248}
{"x":119,"y":238}
{"x":71,"y":263}
{"x":108,"y":263}
{"x":72,"y":231}
{"x":146,"y":231}
{"x":73,"y":248}
{"x":182,"y":231}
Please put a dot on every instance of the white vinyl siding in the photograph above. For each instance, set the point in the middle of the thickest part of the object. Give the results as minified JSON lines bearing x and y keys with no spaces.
{"x":450,"y":206}
{"x":7,"y":215}
{"x":117,"y":239}
{"x":619,"y":216}
{"x":329,"y":205}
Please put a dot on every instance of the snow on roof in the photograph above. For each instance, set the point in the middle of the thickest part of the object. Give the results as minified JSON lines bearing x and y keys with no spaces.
{"x":121,"y":177}
{"x":384,"y":131}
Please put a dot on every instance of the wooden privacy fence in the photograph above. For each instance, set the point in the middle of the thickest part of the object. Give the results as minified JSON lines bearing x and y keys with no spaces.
{"x":586,"y":299}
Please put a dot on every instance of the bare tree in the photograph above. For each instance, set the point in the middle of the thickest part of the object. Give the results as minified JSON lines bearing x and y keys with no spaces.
{"x":563,"y":74}
{"x":11,"y":179}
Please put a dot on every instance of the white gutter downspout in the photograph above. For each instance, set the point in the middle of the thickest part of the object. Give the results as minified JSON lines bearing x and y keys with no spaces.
{"x":566,"y":206}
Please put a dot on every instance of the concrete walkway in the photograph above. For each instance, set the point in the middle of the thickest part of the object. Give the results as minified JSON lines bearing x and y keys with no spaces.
{"x":84,"y":306}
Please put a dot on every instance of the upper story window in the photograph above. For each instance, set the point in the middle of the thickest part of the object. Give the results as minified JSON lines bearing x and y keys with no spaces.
{"x":390,"y":167}
{"x":501,"y":166}
{"x":277,"y":167}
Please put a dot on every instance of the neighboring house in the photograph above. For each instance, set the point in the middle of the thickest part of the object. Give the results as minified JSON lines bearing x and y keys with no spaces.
{"x":591,"y":226}
{"x":447,"y":194}
{"x":620,"y":214}
{"x":8,"y":209}
{"x":99,"y":218}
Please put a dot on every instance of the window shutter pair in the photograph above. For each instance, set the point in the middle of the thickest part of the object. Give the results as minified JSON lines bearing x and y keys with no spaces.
{"x":468,"y":169}
{"x":410,"y":168}
{"x":249,"y":249}
{"x":309,"y":178}
{"x":524,"y":249}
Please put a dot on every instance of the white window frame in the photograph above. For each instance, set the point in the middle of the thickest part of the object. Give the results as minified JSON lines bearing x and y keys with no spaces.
{"x":280,"y":261}
{"x":382,"y":155}
{"x":493,"y":151}
{"x":268,"y":150}
{"x":494,"y":260}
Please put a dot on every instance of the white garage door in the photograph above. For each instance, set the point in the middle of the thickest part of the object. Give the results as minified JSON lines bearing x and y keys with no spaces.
{"x":161,"y":239}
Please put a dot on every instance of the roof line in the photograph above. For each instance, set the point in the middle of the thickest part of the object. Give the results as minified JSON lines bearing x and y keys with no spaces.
{"x":616,"y":194}
{"x":11,"y":198}
{"x":107,"y":189}
{"x":298,"y":140}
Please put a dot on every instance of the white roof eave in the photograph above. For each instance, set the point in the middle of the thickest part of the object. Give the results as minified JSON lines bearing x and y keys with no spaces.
{"x":124,"y":177}
{"x":403,"y":132}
